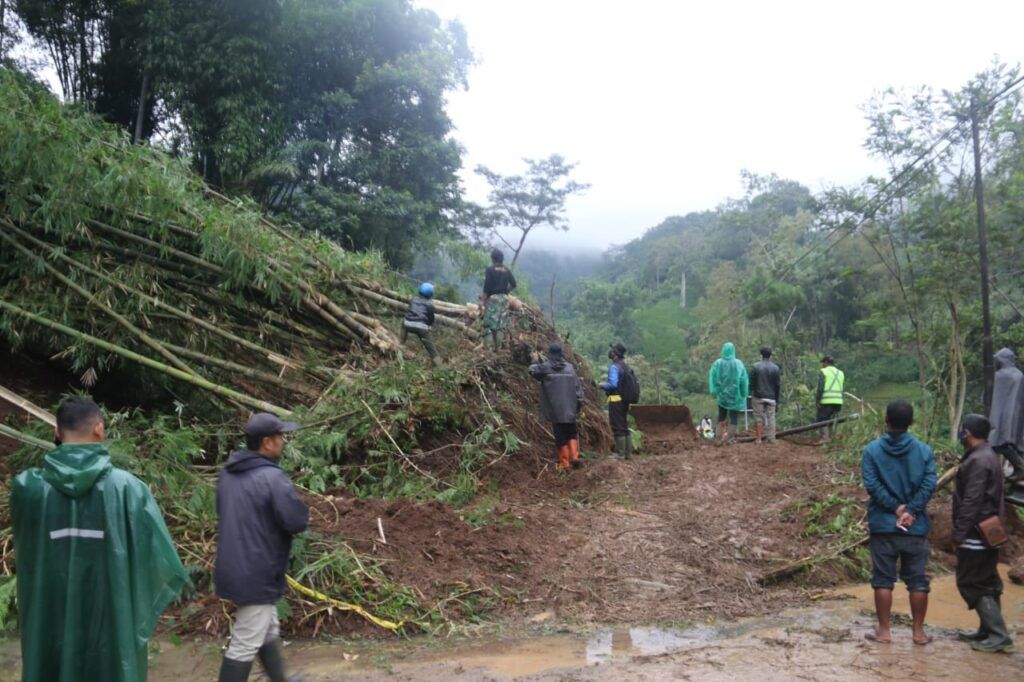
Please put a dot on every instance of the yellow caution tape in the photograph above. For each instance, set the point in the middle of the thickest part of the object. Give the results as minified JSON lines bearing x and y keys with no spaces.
{"x":344,"y":606}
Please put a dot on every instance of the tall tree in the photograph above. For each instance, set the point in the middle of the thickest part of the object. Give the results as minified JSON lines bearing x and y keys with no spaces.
{"x":531,"y":200}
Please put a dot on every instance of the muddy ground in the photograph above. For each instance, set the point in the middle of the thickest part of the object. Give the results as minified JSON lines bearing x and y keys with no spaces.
{"x":679,"y":534}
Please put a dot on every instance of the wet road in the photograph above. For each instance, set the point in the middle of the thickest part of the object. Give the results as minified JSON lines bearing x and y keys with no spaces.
{"x":823,"y":642}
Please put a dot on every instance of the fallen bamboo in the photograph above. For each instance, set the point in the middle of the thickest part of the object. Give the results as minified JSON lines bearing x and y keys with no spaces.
{"x":810,"y":561}
{"x":252,"y":373}
{"x":28,"y":406}
{"x":242,"y":398}
{"x":398,"y":305}
{"x":802,"y":429}
{"x":92,"y":299}
{"x":24,"y":437}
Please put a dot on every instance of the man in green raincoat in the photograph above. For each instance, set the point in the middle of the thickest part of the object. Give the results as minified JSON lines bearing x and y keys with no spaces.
{"x":96,"y":565}
{"x":730,"y":385}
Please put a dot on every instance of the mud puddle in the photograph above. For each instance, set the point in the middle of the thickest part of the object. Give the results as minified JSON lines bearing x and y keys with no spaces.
{"x":821,"y":642}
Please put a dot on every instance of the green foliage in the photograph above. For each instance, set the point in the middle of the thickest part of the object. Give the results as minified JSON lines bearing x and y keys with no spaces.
{"x":8,"y":597}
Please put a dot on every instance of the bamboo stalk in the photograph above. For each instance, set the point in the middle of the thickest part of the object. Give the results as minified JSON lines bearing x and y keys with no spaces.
{"x":243,"y":398}
{"x":24,"y":437}
{"x":28,"y":406}
{"x":440,"y":319}
{"x":91,"y":298}
{"x":157,"y":303}
{"x":250,"y":372}
{"x":187,"y":257}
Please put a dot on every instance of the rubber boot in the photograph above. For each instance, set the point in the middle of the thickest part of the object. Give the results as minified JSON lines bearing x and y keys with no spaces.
{"x":563,"y":457}
{"x":620,"y":446}
{"x":629,"y":446}
{"x":723,"y":430}
{"x":972,"y":636}
{"x":992,"y":622}
{"x":438,"y":362}
{"x":499,"y":340}
{"x":574,"y":454}
{"x":273,"y":662}
{"x":234,"y":671}
{"x":759,"y":432}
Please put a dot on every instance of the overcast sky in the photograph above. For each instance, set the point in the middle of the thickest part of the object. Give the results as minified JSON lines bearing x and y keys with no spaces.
{"x":662,"y":103}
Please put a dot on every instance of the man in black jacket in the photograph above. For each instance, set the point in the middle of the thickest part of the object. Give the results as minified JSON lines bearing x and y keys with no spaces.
{"x":258,"y":512}
{"x":561,"y":398}
{"x":419,"y":319}
{"x":764,"y":392}
{"x":979,"y":495}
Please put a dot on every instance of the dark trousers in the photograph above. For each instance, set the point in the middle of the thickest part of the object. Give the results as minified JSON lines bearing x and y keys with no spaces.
{"x":826,"y":412}
{"x":976,"y":575}
{"x":423,"y":335}
{"x":734,"y":415}
{"x":565,"y":433}
{"x":618,"y":417}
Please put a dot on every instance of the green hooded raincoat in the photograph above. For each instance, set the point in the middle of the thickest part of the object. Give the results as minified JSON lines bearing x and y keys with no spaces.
{"x":729,"y":381}
{"x":96,"y":567}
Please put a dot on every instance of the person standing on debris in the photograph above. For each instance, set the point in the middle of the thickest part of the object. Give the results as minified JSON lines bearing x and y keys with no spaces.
{"x":829,"y":395}
{"x":730,"y":384}
{"x":979,"y":497}
{"x":899,"y":476}
{"x":561,"y":399}
{"x":1007,"y":414}
{"x":258,"y":512}
{"x":618,"y":399}
{"x":420,"y":318}
{"x":498,"y":283}
{"x":765,"y":390}
{"x":96,"y":565}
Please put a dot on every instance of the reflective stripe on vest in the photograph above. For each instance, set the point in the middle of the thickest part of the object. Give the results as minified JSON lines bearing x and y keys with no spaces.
{"x":833,"y":393}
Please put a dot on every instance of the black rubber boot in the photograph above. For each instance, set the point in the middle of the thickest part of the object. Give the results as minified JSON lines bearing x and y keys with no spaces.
{"x":234,"y":671}
{"x":971,"y":636}
{"x":620,"y":447}
{"x":629,"y":446}
{"x":273,"y":662}
{"x":992,"y":622}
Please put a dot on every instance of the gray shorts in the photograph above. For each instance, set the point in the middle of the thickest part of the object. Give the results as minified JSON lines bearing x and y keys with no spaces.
{"x":909,"y":551}
{"x":255,"y":626}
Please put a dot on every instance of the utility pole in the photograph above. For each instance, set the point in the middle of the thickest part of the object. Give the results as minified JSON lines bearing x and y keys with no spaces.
{"x":986,"y":317}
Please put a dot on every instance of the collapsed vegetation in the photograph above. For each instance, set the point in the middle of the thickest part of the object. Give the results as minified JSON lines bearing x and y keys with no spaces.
{"x":189,"y":309}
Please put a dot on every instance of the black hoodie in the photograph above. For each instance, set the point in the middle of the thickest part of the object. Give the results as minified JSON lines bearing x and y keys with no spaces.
{"x":258,"y":512}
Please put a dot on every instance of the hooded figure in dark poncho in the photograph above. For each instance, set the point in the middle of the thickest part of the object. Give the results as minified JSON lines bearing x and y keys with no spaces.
{"x":1007,"y":418}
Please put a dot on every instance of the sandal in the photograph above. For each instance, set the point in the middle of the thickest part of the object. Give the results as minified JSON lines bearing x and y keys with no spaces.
{"x":924,"y":642}
{"x":873,"y":637}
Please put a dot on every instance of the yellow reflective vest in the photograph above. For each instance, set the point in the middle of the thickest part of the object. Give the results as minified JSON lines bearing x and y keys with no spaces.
{"x":833,"y":386}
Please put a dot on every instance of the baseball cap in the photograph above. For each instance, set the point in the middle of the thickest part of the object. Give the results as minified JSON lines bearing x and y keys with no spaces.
{"x":263,"y":424}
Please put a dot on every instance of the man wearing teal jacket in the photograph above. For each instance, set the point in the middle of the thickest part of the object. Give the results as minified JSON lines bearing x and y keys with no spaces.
{"x":730,"y":384}
{"x":96,"y":565}
{"x":899,"y":477}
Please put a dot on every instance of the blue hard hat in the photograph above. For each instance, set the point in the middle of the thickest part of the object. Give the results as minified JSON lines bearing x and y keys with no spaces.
{"x":426,"y":290}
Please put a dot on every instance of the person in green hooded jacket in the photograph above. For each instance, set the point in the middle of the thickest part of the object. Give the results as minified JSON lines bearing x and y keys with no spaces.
{"x":730,"y":385}
{"x":95,"y":563}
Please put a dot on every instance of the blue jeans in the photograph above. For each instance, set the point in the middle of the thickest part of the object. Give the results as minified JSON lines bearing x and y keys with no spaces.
{"x":911,"y":551}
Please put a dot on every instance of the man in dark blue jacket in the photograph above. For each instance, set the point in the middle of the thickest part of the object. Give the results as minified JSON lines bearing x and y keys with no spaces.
{"x":258,"y":512}
{"x":899,"y":475}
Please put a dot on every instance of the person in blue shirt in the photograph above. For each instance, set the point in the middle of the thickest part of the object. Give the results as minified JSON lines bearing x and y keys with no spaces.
{"x":899,"y":476}
{"x":618,"y":409}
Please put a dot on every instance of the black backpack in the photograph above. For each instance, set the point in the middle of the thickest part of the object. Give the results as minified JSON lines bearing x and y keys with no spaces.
{"x":629,"y":386}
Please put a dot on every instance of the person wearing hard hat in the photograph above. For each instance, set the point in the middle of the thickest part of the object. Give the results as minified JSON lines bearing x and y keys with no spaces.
{"x":420,"y":319}
{"x":561,"y":399}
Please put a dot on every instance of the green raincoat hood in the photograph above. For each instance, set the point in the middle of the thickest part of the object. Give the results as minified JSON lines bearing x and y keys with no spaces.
{"x":74,"y":469}
{"x":728,"y":351}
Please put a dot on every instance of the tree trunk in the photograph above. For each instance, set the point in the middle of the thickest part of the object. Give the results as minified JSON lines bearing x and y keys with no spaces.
{"x":141,"y":114}
{"x":682,"y":289}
